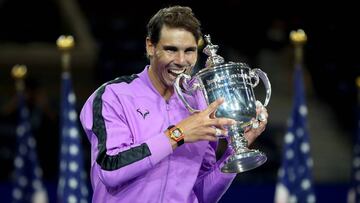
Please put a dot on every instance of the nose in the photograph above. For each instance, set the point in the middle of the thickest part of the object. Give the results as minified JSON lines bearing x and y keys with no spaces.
{"x":180,"y":58}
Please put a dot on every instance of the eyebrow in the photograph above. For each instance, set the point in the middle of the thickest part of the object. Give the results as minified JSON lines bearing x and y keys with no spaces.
{"x":174,"y":48}
{"x":190,"y":49}
{"x":168,"y":47}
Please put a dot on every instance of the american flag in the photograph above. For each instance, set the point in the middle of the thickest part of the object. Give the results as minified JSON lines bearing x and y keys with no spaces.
{"x":28,"y":185}
{"x":295,"y":183}
{"x":72,"y":186}
{"x":354,"y":191}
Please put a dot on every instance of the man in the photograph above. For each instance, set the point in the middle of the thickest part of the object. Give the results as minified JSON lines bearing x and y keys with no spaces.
{"x":146,"y":146}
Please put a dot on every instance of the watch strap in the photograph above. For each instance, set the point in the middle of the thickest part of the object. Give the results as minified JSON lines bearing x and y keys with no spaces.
{"x":180,"y":142}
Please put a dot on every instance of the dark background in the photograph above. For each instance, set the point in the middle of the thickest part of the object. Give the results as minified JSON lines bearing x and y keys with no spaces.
{"x":111,"y":44}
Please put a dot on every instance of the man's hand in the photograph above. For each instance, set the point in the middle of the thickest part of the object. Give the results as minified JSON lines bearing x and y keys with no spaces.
{"x":252,"y":132}
{"x":204,"y":125}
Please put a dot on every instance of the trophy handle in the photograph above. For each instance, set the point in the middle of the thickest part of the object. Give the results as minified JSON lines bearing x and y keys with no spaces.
{"x":186,"y":86}
{"x":256,"y":73}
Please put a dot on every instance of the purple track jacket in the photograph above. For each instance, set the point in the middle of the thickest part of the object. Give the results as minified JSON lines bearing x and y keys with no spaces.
{"x":131,"y":157}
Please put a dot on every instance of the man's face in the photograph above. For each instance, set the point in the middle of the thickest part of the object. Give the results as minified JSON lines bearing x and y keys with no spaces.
{"x":175,"y":53}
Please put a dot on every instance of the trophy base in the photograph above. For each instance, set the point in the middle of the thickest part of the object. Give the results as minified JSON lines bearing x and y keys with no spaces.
{"x":244,"y":161}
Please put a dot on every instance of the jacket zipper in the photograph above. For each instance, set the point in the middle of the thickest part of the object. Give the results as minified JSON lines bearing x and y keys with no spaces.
{"x":167,"y":105}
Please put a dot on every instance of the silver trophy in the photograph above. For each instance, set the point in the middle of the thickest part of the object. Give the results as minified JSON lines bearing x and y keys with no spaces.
{"x":234,"y":82}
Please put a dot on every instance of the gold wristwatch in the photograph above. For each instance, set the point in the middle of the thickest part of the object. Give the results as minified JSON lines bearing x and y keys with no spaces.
{"x":176,"y":134}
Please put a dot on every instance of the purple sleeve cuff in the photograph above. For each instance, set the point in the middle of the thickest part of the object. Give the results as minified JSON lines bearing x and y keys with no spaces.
{"x":160,"y":148}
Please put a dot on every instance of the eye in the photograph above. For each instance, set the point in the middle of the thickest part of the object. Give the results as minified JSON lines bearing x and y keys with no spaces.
{"x":190,"y":50}
{"x":170,"y":49}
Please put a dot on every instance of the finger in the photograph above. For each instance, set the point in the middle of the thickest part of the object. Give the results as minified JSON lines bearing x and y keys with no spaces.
{"x":258,"y":104}
{"x":220,"y":132}
{"x":255,"y":124}
{"x":213,"y":106}
{"x":247,"y":128}
{"x":210,"y":137}
{"x":252,"y":134}
{"x":221,"y":122}
{"x":212,"y":115}
{"x":259,"y":122}
{"x":213,"y":131}
{"x":260,"y":109}
{"x":217,"y":132}
{"x":261,"y":128}
{"x":262,"y":116}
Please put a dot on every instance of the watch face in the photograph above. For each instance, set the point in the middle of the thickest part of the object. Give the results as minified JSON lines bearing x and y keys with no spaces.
{"x":176,"y":133}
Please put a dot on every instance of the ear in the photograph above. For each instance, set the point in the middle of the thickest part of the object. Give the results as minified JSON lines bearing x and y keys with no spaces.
{"x":150,"y":47}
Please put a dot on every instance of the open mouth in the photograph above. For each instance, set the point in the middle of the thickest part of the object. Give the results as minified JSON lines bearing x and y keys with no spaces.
{"x":175,"y":73}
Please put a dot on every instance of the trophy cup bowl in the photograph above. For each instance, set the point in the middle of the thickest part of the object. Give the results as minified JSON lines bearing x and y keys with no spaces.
{"x":234,"y":82}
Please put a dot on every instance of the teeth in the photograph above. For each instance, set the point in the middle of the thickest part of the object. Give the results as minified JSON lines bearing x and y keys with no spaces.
{"x":177,"y":71}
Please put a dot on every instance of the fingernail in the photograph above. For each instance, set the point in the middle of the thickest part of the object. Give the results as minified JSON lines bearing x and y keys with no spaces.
{"x":258,"y":103}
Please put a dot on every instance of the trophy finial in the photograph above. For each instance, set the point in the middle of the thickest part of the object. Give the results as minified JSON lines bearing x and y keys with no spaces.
{"x":210,"y":50}
{"x":208,"y":39}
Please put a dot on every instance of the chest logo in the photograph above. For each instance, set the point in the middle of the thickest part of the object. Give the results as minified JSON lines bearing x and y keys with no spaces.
{"x":143,"y":113}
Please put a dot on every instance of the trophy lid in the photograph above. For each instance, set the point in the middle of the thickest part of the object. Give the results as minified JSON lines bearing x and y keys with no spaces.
{"x":215,"y":61}
{"x":210,"y":50}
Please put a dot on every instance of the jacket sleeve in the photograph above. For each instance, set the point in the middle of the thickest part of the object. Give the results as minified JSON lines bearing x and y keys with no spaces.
{"x":212,"y":183}
{"x":116,"y":158}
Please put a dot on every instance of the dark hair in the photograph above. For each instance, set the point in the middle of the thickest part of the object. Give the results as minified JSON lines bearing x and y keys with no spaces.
{"x":173,"y":17}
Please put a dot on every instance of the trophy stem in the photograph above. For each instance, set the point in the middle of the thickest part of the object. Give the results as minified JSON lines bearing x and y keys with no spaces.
{"x":243,"y":159}
{"x":237,"y":139}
